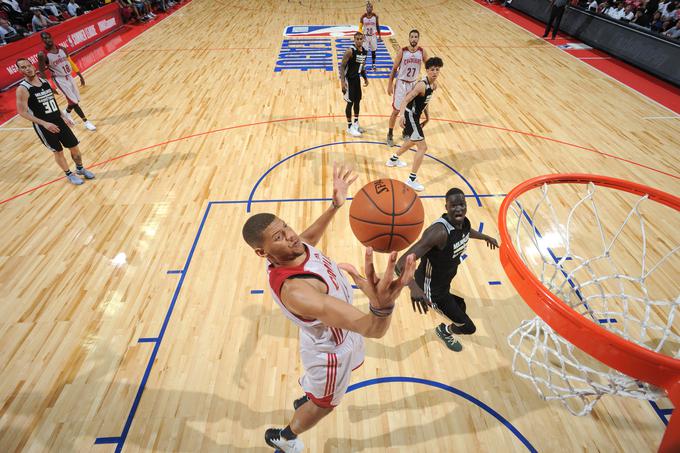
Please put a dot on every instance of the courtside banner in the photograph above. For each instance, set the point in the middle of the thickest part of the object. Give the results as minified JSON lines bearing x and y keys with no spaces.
{"x":328,"y":31}
{"x":72,"y":34}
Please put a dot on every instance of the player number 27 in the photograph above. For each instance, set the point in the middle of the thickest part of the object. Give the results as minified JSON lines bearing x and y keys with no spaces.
{"x":50,"y":106}
{"x":410,"y":72}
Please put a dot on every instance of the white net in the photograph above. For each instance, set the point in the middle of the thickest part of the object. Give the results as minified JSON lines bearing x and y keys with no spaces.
{"x":621,"y":274}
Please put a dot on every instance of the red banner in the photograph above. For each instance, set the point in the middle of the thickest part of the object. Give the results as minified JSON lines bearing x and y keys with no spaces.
{"x":72,"y":34}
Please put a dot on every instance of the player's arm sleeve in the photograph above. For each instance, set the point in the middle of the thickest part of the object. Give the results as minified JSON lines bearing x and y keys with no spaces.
{"x":74,"y":66}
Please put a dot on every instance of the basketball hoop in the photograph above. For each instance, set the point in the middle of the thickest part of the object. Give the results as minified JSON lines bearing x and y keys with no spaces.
{"x":607,"y":323}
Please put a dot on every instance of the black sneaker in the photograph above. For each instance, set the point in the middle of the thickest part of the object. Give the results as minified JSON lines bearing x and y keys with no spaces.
{"x":274,"y":439}
{"x":449,"y":340}
{"x":300,"y":401}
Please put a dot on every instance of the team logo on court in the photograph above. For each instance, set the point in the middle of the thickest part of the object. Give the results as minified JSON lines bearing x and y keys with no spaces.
{"x":328,"y":31}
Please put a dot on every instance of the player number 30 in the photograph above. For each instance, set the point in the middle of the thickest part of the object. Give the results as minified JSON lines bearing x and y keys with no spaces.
{"x":50,"y":106}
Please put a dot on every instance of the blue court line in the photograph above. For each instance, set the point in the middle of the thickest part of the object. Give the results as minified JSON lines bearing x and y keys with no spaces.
{"x":147,"y":340}
{"x":481,"y":227}
{"x":463,"y":257}
{"x":120,"y":441}
{"x":285,"y":159}
{"x":662,"y":413}
{"x":607,"y":321}
{"x":449,"y":389}
{"x":256,"y":291}
{"x":295,"y":200}
{"x":494,"y":282}
{"x":174,"y":271}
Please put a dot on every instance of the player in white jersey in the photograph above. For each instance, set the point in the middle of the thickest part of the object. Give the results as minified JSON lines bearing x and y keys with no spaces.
{"x":370,"y":27}
{"x":313,"y":293}
{"x":56,"y":59}
{"x":406,"y":70}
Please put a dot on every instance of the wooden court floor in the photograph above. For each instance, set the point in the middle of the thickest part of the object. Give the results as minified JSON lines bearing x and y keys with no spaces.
{"x":141,"y":277}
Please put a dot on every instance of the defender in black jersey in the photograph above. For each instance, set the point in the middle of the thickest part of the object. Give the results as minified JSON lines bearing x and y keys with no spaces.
{"x":352,"y":67}
{"x":439,"y":251}
{"x":36,"y":102}
{"x":413,"y":105}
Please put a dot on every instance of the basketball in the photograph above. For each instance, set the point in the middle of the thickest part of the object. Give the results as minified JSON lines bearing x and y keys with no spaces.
{"x":386,"y":215}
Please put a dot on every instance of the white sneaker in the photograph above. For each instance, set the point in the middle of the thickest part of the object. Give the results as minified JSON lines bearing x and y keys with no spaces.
{"x":359,"y":128}
{"x":415,"y":185}
{"x":398,"y":163}
{"x":90,"y":126}
{"x":67,"y":115}
{"x":352,"y":131}
{"x":273,"y":438}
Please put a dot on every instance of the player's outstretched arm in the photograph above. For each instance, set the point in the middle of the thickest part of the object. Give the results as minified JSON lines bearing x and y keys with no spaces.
{"x":490,"y":242}
{"x":434,"y":236}
{"x":417,"y":90}
{"x":307,"y":298}
{"x":343,"y":177}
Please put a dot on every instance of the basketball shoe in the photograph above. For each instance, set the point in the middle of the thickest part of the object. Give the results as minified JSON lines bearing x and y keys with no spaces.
{"x":449,"y":340}
{"x":274,"y":439}
{"x":415,"y":185}
{"x":90,"y":126}
{"x":85,"y":172}
{"x":352,"y":130}
{"x":73,"y":179}
{"x":396,"y":163}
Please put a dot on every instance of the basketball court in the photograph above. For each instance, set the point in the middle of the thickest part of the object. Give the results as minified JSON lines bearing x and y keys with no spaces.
{"x":133,"y":317}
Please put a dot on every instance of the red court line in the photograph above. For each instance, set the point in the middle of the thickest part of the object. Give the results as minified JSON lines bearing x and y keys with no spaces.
{"x":651,"y":86}
{"x":198,"y":49}
{"x":302,"y":118}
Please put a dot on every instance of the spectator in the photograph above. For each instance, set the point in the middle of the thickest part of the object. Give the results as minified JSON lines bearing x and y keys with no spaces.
{"x":8,"y":33}
{"x":670,"y":12}
{"x":674,"y":32}
{"x":72,"y":8}
{"x":640,"y":19}
{"x":656,"y":24}
{"x":592,"y":6}
{"x":615,"y":12}
{"x":556,"y":11}
{"x":628,"y":13}
{"x":130,"y":9}
{"x":40,"y":22}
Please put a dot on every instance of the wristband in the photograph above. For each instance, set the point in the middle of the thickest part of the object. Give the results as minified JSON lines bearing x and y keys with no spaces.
{"x":381,"y":312}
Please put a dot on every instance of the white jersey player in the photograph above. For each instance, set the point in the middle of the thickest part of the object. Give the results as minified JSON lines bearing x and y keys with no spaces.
{"x":313,"y":293}
{"x":57,"y":60}
{"x":370,"y":27}
{"x":406,"y":70}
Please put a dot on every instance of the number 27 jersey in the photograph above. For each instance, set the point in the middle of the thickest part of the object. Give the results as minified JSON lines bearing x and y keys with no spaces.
{"x":41,"y":102}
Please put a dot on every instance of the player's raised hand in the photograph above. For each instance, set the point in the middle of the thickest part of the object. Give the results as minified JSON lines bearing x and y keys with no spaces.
{"x":343,"y":177}
{"x":419,"y":300}
{"x":381,"y":292}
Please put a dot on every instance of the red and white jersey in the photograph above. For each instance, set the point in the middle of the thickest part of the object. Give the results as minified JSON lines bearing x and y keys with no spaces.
{"x":313,"y":333}
{"x":409,"y":68}
{"x":369,"y":24}
{"x":58,"y":63}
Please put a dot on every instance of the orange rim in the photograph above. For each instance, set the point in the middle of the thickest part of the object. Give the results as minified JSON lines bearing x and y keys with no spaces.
{"x":614,"y":351}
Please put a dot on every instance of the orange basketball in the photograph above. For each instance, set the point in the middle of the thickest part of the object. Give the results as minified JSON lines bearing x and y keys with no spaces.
{"x":386,"y":215}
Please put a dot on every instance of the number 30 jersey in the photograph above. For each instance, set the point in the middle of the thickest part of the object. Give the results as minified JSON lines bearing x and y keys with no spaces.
{"x":41,"y":102}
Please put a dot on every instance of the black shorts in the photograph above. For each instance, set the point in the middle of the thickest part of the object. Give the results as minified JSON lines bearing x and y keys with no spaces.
{"x":413,"y":129}
{"x":353,"y":93}
{"x":65,"y":138}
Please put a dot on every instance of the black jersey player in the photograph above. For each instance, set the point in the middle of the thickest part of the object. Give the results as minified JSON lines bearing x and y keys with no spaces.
{"x":413,"y":105}
{"x":352,"y":67}
{"x":36,"y":102}
{"x":439,"y":250}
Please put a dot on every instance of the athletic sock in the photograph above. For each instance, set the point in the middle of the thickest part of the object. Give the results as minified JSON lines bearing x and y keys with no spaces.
{"x":394,"y":158}
{"x":79,"y":167}
{"x":412,"y":176}
{"x":68,"y":172}
{"x":287,"y":433}
{"x":389,"y":132}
